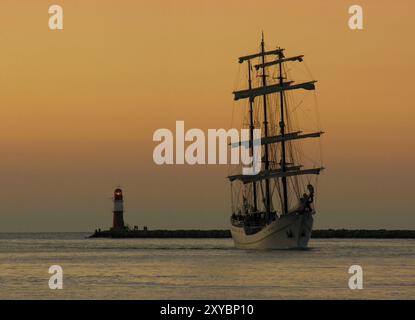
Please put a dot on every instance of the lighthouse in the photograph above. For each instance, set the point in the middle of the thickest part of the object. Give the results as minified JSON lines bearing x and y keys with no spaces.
{"x":118,"y":219}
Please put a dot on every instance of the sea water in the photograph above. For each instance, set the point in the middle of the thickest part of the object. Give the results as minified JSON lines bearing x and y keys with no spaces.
{"x":201,"y":268}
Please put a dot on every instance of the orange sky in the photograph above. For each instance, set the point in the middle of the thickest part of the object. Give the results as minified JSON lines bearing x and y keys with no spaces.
{"x":79,"y":107}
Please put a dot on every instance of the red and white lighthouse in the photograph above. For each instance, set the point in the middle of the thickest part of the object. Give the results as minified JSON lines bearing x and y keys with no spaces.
{"x":118,"y":219}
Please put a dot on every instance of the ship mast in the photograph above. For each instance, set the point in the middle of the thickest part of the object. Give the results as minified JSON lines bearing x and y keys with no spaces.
{"x":251,"y":133}
{"x":264,"y":84}
{"x":282,"y":132}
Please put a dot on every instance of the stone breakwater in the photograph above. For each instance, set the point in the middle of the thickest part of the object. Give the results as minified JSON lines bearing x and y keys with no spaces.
{"x":317,"y":234}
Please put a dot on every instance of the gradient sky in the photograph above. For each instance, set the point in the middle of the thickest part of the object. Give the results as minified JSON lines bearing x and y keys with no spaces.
{"x":79,"y":107}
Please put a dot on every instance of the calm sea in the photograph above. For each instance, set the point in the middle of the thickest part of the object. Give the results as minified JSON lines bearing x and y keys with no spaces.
{"x":201,"y":269}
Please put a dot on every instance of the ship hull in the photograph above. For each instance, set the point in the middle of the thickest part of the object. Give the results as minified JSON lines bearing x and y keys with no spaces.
{"x":291,"y":231}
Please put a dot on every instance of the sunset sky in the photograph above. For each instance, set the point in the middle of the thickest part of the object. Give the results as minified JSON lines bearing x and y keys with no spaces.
{"x":78,"y":107}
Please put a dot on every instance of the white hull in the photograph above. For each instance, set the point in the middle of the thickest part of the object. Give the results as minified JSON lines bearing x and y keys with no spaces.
{"x":291,"y":231}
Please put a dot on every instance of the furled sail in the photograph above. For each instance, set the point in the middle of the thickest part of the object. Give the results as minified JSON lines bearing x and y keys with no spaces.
{"x":271,"y":63}
{"x":291,"y":136}
{"x":279,"y":138}
{"x":278,"y":173}
{"x":260,"y":54}
{"x":286,"y":86}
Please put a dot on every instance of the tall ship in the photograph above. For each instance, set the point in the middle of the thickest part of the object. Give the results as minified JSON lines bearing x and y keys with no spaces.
{"x":274,"y":208}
